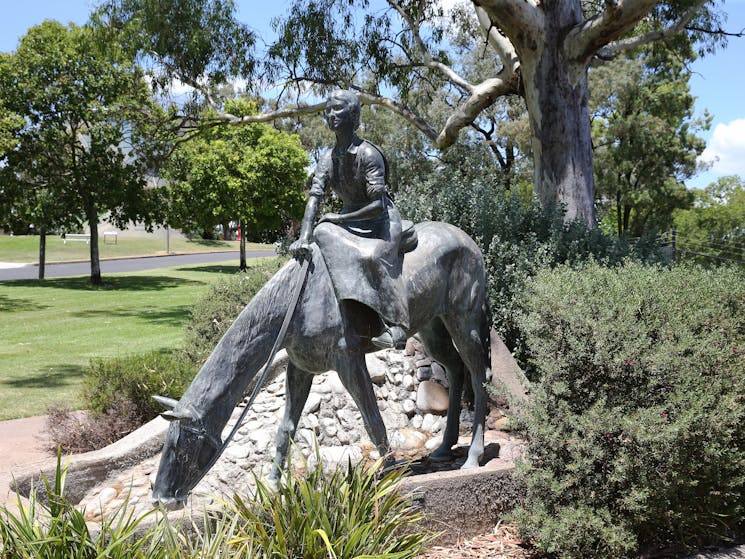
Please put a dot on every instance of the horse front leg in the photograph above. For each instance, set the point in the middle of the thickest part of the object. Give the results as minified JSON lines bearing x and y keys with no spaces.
{"x":297,"y":388}
{"x":356,"y":379}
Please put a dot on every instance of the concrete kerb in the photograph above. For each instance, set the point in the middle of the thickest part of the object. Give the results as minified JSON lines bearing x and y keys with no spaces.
{"x":86,"y":470}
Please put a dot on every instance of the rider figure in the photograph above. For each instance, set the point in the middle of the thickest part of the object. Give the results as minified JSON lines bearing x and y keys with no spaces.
{"x":360,"y":245}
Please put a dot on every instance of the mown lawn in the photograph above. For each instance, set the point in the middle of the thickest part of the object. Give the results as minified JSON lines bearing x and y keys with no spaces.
{"x":49,"y":330}
{"x":25,"y":248}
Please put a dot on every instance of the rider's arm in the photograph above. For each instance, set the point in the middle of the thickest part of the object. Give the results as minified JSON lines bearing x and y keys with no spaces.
{"x":372,"y":210}
{"x":318,"y":183}
{"x":311,"y":209}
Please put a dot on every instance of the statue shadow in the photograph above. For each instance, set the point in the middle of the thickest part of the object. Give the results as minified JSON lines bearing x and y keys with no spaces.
{"x":426,"y":466}
{"x":213,"y":269}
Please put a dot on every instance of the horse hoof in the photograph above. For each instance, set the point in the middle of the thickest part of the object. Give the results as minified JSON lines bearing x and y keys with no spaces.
{"x":441,"y":455}
{"x":470,"y":464}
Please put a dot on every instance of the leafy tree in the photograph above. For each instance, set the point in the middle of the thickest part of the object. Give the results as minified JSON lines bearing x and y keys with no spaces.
{"x":80,"y":152}
{"x":252,"y":174}
{"x":713,"y":231}
{"x":539,"y":51}
{"x":644,"y":134}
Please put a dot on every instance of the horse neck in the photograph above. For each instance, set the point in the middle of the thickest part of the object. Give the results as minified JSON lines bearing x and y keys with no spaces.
{"x":222,"y":381}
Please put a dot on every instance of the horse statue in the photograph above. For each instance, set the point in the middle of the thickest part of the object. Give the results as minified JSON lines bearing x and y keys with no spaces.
{"x":445,"y":287}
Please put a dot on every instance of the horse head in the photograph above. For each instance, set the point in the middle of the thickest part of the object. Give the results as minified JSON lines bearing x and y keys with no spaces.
{"x":188,"y":452}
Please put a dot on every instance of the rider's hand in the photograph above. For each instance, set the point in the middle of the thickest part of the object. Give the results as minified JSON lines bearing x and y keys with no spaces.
{"x":331,"y":218}
{"x":300,"y":249}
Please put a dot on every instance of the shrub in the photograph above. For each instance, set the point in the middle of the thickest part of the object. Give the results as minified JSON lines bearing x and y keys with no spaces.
{"x":635,"y":433}
{"x":75,"y":431}
{"x":135,"y":378}
{"x":517,"y":237}
{"x":349,"y":513}
{"x":216,"y":310}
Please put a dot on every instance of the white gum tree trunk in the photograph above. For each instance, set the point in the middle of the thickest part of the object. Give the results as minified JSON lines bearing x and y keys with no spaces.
{"x":557,"y":95}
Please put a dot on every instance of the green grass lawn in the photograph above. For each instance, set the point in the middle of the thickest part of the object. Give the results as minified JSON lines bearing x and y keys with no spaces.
{"x":49,"y":330}
{"x":25,"y":248}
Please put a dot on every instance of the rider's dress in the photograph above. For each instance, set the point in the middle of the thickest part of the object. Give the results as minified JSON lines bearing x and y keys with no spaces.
{"x":363,"y":256}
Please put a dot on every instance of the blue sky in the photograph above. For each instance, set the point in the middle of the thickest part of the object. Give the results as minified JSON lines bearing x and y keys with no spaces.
{"x":718,"y":82}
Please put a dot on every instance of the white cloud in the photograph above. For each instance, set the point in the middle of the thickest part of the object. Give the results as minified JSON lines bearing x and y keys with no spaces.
{"x":726,"y":148}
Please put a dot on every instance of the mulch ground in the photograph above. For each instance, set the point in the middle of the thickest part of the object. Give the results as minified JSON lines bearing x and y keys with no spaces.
{"x":502,"y":543}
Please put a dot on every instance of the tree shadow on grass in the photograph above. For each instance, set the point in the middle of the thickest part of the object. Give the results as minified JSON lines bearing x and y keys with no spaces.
{"x":43,"y":377}
{"x":17,"y":305}
{"x":174,"y":316}
{"x":213,"y":269}
{"x":112,"y":283}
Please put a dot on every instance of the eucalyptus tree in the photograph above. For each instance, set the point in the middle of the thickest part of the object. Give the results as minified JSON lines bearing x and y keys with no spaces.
{"x":394,"y":52}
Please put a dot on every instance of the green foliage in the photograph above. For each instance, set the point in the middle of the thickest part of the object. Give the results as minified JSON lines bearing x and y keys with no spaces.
{"x":216,"y":310}
{"x":55,"y":529}
{"x":253,"y":174}
{"x":635,"y":433}
{"x":355,"y":513}
{"x":517,"y":237}
{"x":135,"y":379}
{"x":80,"y":151}
{"x":714,"y":229}
{"x":645,"y":137}
{"x":189,"y":40}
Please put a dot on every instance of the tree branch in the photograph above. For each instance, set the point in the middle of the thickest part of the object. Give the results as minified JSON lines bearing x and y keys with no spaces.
{"x":498,"y":41}
{"x":484,"y":95}
{"x":520,"y":20}
{"x":428,"y":61}
{"x":588,"y":37}
{"x":613,"y":49}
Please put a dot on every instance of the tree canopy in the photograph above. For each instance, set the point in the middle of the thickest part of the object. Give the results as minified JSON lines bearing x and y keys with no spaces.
{"x":401,"y":54}
{"x":252,"y":174}
{"x":78,"y":152}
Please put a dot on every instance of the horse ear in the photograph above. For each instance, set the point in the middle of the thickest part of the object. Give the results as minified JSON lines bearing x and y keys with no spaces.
{"x":166,"y":402}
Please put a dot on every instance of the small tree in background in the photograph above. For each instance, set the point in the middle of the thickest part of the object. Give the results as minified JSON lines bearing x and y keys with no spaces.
{"x":79,"y":152}
{"x":714,"y":229}
{"x":251,"y":174}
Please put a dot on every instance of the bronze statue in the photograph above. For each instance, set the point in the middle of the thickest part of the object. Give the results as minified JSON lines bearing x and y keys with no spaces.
{"x":362,"y":244}
{"x":363,"y":265}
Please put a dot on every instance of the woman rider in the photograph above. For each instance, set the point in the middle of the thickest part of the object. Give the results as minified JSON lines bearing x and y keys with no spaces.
{"x":360,"y":245}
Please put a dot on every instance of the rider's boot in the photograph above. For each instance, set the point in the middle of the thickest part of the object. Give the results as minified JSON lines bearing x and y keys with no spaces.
{"x":393,"y":337}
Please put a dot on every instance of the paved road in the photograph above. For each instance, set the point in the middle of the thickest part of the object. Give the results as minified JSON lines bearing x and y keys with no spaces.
{"x":126,"y":264}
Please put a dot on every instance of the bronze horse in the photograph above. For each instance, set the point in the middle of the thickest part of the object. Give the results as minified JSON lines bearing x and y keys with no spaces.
{"x":446,"y":285}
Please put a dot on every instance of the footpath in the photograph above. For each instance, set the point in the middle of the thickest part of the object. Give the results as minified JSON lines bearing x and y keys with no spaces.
{"x":22,"y":443}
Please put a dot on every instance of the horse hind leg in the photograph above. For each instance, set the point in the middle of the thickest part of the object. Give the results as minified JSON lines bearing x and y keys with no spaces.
{"x":439,"y":346}
{"x":470,"y":333}
{"x":297,"y":388}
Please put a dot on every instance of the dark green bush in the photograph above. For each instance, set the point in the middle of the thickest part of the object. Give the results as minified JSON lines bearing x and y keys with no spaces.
{"x":636,"y":437}
{"x":517,"y":237}
{"x":134,"y":379}
{"x":216,"y":310}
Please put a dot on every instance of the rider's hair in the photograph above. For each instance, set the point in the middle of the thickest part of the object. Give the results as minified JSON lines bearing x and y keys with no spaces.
{"x":352,"y":101}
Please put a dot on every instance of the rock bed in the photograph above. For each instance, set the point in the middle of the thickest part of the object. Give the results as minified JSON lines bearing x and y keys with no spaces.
{"x":412,"y":395}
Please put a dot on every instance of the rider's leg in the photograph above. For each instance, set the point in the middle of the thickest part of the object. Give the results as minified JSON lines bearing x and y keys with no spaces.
{"x":393,"y":336}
